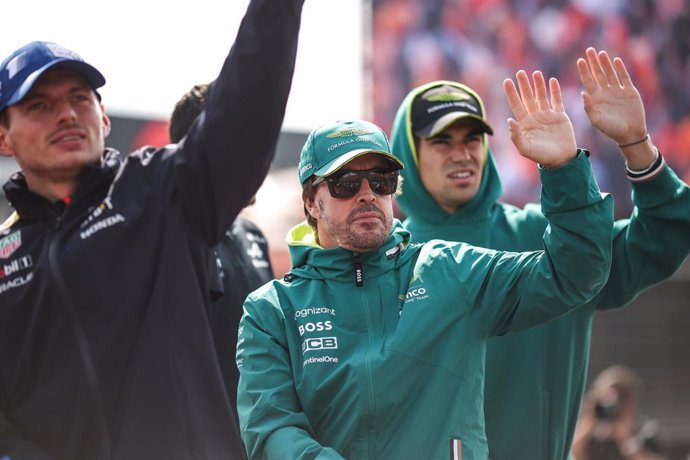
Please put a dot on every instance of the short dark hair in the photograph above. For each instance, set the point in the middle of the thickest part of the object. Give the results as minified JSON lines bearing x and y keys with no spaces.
{"x":186,"y":110}
{"x":309,"y":194}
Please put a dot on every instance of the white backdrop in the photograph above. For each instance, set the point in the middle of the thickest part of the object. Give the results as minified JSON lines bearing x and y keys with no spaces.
{"x":152,"y":52}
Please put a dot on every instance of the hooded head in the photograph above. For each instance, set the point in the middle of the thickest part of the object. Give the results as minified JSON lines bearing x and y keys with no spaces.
{"x":428,"y":112}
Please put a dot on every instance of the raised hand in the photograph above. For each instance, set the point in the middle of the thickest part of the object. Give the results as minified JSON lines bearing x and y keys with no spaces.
{"x":540,"y":129}
{"x":612,"y":102}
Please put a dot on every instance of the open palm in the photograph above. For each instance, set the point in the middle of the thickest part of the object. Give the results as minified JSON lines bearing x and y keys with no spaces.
{"x":540,"y":129}
{"x":612,"y":102}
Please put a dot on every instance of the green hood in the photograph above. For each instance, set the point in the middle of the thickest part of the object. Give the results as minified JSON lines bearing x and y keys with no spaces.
{"x":311,"y":261}
{"x":415,"y":201}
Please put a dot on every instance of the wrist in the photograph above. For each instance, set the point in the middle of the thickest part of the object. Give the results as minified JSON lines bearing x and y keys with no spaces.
{"x":564,"y":161}
{"x":640,"y":175}
{"x":624,"y":145}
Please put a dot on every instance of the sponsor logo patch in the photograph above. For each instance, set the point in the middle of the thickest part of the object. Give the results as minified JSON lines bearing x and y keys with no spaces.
{"x":348,"y":132}
{"x":101,"y":225}
{"x":15,"y":283}
{"x":319,"y":360}
{"x":317,"y":326}
{"x":415,"y":294}
{"x":15,"y":266}
{"x":319,"y":343}
{"x":9,"y":244}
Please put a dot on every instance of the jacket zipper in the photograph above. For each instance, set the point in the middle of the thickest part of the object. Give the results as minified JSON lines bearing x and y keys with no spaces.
{"x":79,"y":335}
{"x":368,"y":371}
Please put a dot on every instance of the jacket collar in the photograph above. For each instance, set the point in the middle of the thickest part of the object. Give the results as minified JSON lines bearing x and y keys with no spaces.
{"x":311,"y":261}
{"x":94,"y":182}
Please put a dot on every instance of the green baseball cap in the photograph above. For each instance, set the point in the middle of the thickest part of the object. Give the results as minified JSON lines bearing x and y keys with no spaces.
{"x":330,"y":147}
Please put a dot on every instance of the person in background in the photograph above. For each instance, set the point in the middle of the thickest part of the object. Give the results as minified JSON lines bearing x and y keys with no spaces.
{"x":106,"y":350}
{"x":242,"y":257}
{"x":535,"y":379}
{"x":373,"y":347}
{"x":610,"y":426}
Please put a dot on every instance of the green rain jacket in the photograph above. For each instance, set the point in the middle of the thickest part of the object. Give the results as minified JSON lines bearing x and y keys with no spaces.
{"x":535,"y":379}
{"x":394,"y":368}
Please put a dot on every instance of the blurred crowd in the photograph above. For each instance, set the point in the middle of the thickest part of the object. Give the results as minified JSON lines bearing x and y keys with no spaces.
{"x":482,"y":42}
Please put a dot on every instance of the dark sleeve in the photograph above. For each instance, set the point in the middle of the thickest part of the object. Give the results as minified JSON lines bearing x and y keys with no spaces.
{"x":15,"y":446}
{"x":227,"y":153}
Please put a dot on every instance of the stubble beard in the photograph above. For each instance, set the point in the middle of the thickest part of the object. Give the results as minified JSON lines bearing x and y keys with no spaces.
{"x":359,"y":236}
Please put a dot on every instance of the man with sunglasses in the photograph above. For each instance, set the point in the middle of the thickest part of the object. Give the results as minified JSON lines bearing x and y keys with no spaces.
{"x":373,"y":347}
{"x":535,"y":379}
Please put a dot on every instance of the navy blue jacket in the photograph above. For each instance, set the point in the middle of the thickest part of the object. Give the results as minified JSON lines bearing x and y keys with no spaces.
{"x":244,"y":263}
{"x":106,"y":349}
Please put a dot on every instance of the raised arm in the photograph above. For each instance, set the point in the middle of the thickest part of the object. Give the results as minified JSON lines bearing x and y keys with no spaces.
{"x":650,"y":245}
{"x":614,"y":107}
{"x":540,"y":129}
{"x":228,"y":152}
{"x":526,"y":289}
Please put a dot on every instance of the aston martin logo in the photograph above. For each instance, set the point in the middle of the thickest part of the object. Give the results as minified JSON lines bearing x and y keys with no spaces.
{"x":349,"y":132}
{"x":445,"y":94}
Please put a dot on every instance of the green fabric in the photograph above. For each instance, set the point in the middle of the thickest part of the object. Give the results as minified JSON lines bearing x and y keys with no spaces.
{"x":535,"y":379}
{"x":395,"y":369}
{"x":329,"y":147}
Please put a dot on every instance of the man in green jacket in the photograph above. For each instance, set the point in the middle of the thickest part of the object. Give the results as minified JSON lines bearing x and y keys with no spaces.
{"x":535,"y":379}
{"x":373,"y":347}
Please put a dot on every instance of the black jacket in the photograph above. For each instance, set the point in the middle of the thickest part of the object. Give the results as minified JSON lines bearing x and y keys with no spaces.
{"x":244,"y":265}
{"x":105,"y":342}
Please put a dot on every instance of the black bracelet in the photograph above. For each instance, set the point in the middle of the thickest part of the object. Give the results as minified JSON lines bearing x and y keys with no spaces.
{"x":646,"y":137}
{"x":647,"y":173}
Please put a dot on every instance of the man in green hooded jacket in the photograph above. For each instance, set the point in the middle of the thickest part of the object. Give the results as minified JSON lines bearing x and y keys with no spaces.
{"x":535,"y":379}
{"x":373,"y":347}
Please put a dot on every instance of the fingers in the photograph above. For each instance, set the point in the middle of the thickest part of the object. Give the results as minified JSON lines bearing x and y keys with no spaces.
{"x":595,"y":67}
{"x":586,"y":78}
{"x":526,"y":91}
{"x":556,"y":95}
{"x":599,"y":71}
{"x":622,"y":72}
{"x":540,"y":90}
{"x":532,"y":96}
{"x":607,"y":66}
{"x":514,"y":101}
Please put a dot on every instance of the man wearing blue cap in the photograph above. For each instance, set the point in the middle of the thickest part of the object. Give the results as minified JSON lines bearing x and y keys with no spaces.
{"x":373,"y":347}
{"x":106,"y":350}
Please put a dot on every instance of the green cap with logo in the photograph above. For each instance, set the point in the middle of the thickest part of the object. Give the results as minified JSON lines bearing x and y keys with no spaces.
{"x":330,"y":147}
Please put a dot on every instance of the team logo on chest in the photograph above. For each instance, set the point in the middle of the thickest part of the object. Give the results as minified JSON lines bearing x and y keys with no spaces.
{"x":98,"y":221}
{"x":9,"y":244}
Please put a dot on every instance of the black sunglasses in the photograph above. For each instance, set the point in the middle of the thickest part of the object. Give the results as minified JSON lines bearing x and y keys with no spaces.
{"x":346,"y":184}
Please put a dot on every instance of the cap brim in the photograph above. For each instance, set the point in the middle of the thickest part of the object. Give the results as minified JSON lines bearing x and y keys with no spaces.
{"x":448,"y":119}
{"x":93,"y":77}
{"x":342,"y":160}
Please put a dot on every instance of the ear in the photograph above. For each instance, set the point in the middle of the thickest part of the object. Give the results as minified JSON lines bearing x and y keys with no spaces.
{"x":106,"y":122}
{"x":6,"y":149}
{"x":312,"y":208}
